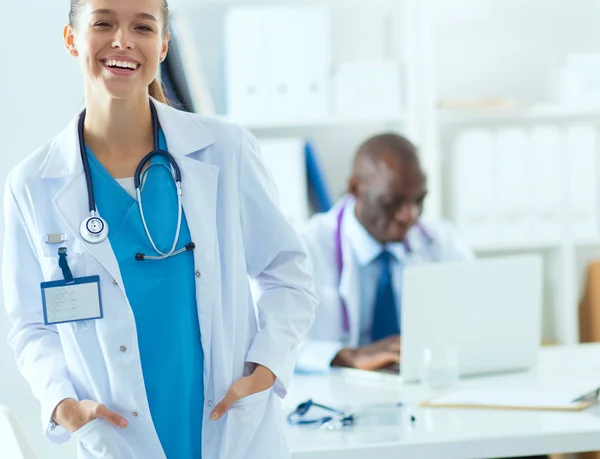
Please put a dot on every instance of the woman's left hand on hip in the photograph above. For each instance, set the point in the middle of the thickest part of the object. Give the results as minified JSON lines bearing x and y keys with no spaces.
{"x":261,"y":379}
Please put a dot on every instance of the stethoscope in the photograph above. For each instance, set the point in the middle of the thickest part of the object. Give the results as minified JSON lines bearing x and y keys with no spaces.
{"x":296,"y":417}
{"x":335,"y":418}
{"x":339,"y":257}
{"x":94,"y":229}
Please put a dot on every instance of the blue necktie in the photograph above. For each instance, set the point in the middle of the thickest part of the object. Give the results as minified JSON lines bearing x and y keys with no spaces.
{"x":385,"y":315}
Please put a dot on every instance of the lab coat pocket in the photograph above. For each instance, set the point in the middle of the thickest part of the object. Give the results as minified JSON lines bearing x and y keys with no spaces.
{"x":102,"y":440}
{"x":244,"y":419}
{"x":259,"y":397}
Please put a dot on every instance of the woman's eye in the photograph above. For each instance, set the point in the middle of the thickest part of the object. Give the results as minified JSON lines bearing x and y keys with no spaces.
{"x":101,"y":24}
{"x":144,"y":28}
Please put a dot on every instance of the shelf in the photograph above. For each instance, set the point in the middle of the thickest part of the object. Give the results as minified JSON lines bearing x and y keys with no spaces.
{"x":528,"y":246}
{"x":516,"y":246}
{"x":588,"y":242}
{"x":531,"y":113}
{"x":328,"y":121}
{"x":354,"y":3}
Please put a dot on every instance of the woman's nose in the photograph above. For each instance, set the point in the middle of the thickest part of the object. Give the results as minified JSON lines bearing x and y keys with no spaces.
{"x":122,"y":40}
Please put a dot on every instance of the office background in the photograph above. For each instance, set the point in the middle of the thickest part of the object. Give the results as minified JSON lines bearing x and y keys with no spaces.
{"x":501,"y":96}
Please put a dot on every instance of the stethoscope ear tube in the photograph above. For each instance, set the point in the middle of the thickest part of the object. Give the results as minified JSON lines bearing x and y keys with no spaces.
{"x":86,"y":165}
{"x":137,"y":177}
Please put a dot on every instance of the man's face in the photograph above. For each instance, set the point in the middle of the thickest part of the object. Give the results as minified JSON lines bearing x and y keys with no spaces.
{"x":390,"y":201}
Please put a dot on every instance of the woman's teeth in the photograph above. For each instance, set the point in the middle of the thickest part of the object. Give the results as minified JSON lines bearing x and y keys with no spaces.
{"x":121,"y":64}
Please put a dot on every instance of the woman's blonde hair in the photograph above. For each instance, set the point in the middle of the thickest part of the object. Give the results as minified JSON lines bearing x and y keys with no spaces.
{"x":155,"y":89}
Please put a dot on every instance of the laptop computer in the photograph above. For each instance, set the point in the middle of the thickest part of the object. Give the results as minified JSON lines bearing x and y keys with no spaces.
{"x":489,"y":311}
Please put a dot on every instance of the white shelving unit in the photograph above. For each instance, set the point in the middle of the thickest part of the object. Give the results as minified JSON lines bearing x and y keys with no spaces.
{"x":496,"y":52}
{"x":459,"y":50}
{"x":525,"y":114}
{"x":395,"y":33}
{"x":329,"y":121}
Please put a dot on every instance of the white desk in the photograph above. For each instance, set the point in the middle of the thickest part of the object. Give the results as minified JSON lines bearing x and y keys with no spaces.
{"x":451,"y":433}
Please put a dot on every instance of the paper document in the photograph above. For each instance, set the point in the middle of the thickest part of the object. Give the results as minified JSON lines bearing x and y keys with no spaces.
{"x":513,"y":399}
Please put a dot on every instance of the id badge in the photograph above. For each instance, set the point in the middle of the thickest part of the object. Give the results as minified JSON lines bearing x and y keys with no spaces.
{"x":71,"y":302}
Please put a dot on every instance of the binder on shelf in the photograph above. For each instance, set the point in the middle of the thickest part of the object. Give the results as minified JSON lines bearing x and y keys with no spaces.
{"x":316,"y":58}
{"x":278,"y":61}
{"x":298,"y":54}
{"x":547,"y":162}
{"x":245,"y":62}
{"x":512,"y":159}
{"x":285,"y":160}
{"x":285,"y":70}
{"x":581,"y":152}
{"x":319,"y":193}
{"x":473,"y":186}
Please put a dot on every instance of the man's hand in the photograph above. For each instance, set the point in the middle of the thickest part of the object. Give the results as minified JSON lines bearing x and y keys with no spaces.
{"x":261,"y":379}
{"x":371,"y":357}
{"x":73,"y":415}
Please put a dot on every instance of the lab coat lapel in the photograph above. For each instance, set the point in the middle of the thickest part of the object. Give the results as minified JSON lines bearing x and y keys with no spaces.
{"x":71,"y":202}
{"x":199,"y":187}
{"x":187,"y":140}
{"x":72,"y":205}
{"x":350,"y":294}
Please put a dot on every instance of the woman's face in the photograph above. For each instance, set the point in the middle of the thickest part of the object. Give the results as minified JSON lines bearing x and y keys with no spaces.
{"x":120,"y":44}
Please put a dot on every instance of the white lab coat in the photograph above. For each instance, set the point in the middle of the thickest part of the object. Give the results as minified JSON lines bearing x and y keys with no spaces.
{"x":327,"y":335}
{"x":239,"y":233}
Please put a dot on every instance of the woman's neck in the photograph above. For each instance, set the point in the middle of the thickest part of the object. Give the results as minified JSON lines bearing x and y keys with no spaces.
{"x":118,"y":129}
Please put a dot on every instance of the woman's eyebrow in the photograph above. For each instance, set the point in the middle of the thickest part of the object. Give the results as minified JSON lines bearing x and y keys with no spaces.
{"x":113,"y":13}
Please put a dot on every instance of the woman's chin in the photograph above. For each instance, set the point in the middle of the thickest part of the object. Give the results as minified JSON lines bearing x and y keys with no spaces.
{"x":125,"y":91}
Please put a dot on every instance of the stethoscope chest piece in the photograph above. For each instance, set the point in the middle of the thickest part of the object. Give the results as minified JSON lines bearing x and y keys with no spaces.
{"x":94,"y":229}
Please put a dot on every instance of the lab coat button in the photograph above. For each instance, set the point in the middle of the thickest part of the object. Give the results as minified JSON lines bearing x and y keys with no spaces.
{"x":123,"y":348}
{"x":198,"y":274}
{"x":135,"y":414}
{"x":210,"y":403}
{"x":115,"y":283}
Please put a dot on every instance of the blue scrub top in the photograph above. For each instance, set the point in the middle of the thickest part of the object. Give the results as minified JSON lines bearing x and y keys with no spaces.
{"x":162,"y":294}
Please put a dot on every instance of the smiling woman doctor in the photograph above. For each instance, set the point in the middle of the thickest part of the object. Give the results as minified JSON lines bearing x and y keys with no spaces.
{"x":126,"y":274}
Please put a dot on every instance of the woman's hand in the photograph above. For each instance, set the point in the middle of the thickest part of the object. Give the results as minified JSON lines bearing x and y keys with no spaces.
{"x":261,"y":379}
{"x":73,"y":415}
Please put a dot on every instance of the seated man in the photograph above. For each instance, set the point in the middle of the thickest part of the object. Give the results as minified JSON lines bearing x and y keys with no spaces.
{"x":357,"y":251}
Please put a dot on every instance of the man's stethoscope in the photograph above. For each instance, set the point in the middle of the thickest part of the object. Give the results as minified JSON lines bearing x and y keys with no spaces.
{"x":94,"y":228}
{"x":339,"y":256}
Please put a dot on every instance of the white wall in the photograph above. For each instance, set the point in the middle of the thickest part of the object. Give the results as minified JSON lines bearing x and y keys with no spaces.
{"x":40,"y":91}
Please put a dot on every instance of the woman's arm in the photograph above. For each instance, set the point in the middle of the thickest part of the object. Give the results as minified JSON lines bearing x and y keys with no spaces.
{"x":37,"y":346}
{"x":276,"y":259}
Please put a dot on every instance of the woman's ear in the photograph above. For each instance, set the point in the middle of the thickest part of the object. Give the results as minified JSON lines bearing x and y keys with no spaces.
{"x":69,"y":38}
{"x":165,"y":47}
